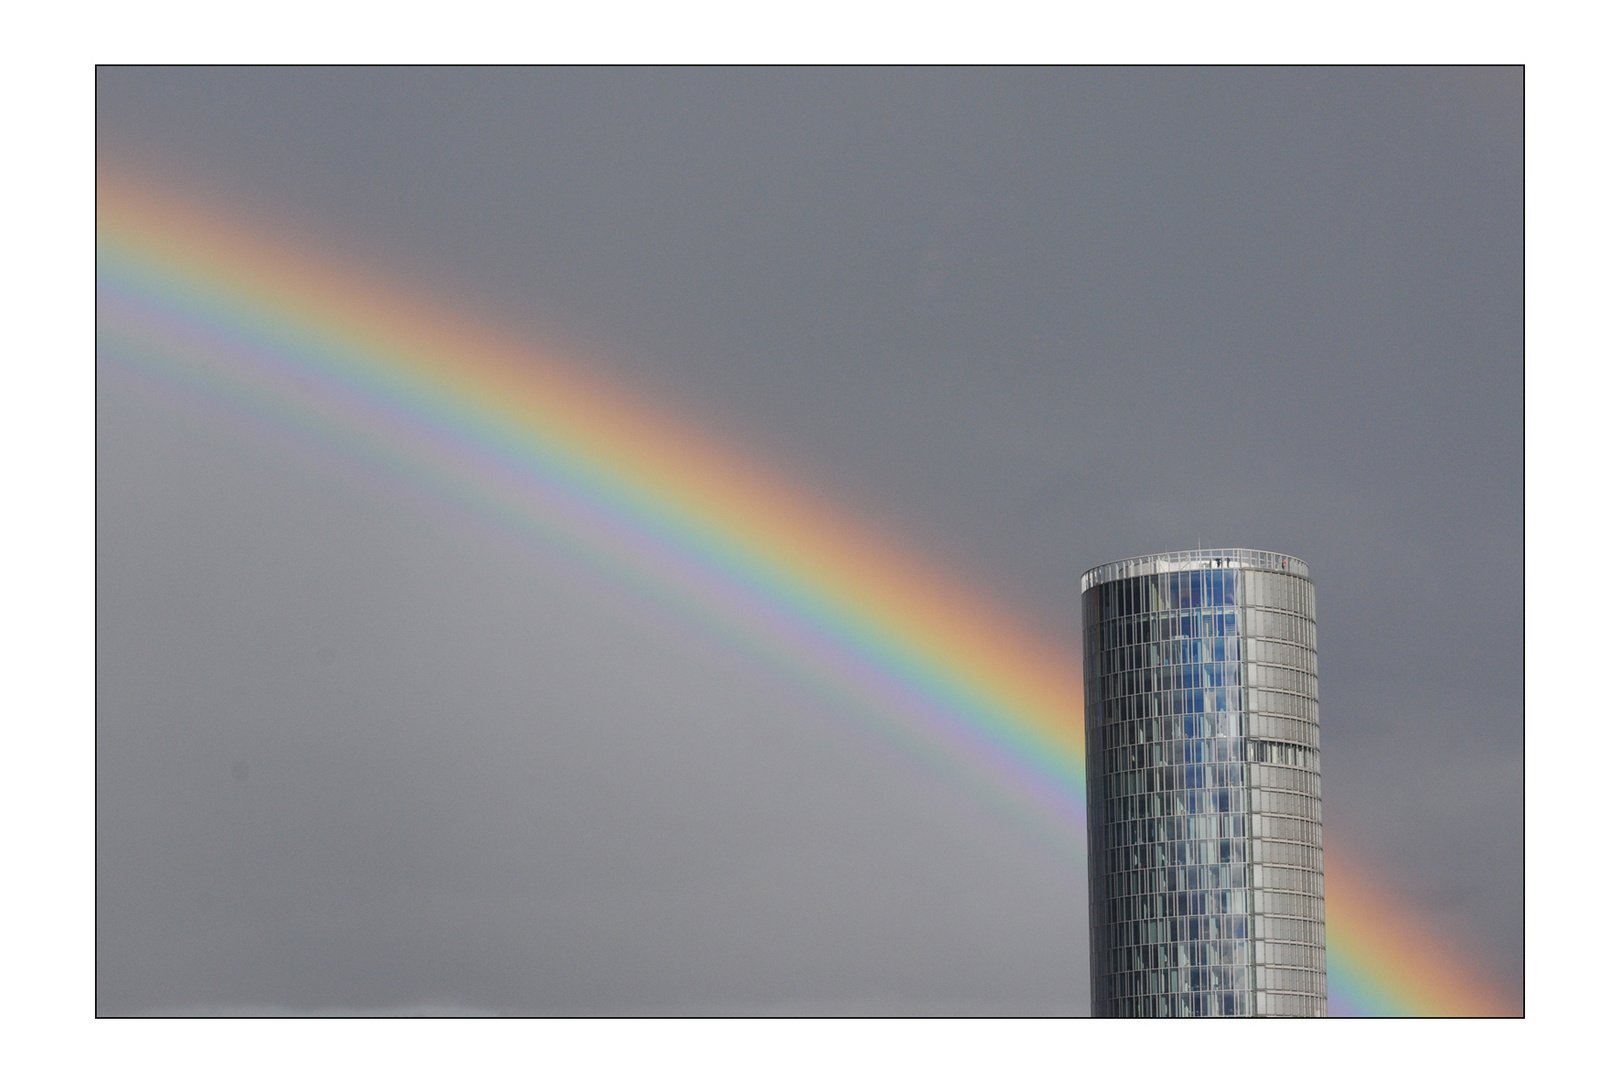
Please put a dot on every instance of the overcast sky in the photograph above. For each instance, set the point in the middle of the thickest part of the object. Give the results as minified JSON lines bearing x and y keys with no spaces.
{"x":352,"y":757}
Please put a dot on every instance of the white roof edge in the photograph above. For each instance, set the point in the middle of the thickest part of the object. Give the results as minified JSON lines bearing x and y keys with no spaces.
{"x":1202,"y":559}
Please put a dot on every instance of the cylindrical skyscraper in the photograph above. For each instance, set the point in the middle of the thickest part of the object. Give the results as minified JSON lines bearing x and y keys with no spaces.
{"x":1204,"y":786}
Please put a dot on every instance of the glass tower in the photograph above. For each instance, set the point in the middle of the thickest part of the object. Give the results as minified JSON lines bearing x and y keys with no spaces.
{"x":1204,"y":786}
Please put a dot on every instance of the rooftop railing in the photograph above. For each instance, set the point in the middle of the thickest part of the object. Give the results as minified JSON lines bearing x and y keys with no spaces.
{"x":1204,"y":559}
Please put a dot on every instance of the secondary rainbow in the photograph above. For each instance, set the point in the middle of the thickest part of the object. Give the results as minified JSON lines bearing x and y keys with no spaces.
{"x":501,"y":428}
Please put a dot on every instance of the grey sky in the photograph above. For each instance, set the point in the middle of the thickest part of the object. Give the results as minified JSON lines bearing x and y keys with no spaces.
{"x":1033,"y":319}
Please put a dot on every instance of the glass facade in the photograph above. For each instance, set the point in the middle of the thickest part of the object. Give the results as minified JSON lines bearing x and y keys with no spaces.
{"x":1203,"y":781}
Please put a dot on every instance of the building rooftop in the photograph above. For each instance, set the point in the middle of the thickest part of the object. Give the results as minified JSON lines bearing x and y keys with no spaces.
{"x":1204,"y":559}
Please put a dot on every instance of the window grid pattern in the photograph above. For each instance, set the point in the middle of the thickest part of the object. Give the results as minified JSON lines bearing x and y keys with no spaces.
{"x":1204,"y":794}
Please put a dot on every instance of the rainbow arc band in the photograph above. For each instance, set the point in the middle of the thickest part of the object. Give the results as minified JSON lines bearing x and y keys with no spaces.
{"x":193,"y":298}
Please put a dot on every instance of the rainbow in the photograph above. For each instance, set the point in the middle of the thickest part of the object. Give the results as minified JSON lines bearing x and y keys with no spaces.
{"x":506,"y":431}
{"x":1384,"y":959}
